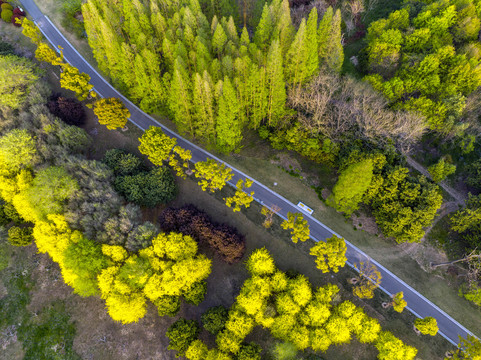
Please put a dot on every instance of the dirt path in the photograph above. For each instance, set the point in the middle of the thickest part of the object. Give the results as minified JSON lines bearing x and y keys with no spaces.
{"x":460,"y":198}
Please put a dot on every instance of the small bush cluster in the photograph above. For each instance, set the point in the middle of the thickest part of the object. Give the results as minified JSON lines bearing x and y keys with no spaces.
{"x":223,"y":239}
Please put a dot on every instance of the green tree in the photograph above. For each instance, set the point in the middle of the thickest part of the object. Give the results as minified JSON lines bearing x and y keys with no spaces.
{"x":351,"y":186}
{"x":17,"y":149}
{"x":312,"y":61}
{"x":285,"y":351}
{"x":323,"y":33}
{"x":296,"y":60}
{"x":219,"y":39}
{"x":427,"y":326}
{"x":330,"y":255}
{"x":111,"y":112}
{"x":299,"y":227}
{"x":214,"y":319}
{"x":148,"y":188}
{"x":50,"y":188}
{"x":441,"y":170}
{"x":17,"y":76}
{"x":276,"y":87}
{"x":181,"y":334}
{"x":334,"y":49}
{"x":213,"y":175}
{"x":469,"y":217}
{"x":228,"y":126}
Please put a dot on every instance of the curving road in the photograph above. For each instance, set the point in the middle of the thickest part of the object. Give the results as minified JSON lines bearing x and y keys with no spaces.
{"x":417,"y":303}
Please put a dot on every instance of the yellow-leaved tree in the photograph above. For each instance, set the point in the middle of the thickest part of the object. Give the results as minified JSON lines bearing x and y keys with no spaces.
{"x":330,"y":255}
{"x":240,"y":198}
{"x":111,"y":112}
{"x":299,"y":227}
{"x":213,"y":175}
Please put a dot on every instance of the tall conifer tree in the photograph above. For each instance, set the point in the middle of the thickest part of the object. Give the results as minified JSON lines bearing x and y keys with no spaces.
{"x":264,"y":29}
{"x":203,"y":96}
{"x":229,"y":128}
{"x":312,"y":62}
{"x":180,"y":99}
{"x":297,"y":56}
{"x":323,"y":33}
{"x":276,"y":88}
{"x":335,"y":52}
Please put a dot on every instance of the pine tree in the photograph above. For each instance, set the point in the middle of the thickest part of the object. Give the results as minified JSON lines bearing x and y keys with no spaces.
{"x":296,"y":69}
{"x":312,"y":62}
{"x":204,"y":111}
{"x":228,"y":127}
{"x":219,"y":39}
{"x":323,"y":33}
{"x":335,"y":52}
{"x":264,"y":29}
{"x":276,"y":88}
{"x":180,"y":99}
{"x":285,"y":28}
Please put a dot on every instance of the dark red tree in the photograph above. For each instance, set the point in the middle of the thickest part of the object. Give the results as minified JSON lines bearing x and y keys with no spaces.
{"x":69,"y":110}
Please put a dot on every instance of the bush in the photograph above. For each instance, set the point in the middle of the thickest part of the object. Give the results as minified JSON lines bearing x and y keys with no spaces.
{"x":251,"y":351}
{"x":6,"y":15}
{"x":18,"y":236}
{"x":223,"y":239}
{"x":19,"y":12}
{"x":167,"y":305}
{"x":14,"y":20}
{"x":12,"y":213}
{"x":69,"y":110}
{"x":181,"y":334}
{"x":195,"y":295}
{"x":7,"y":6}
{"x":214,"y":319}
{"x":6,"y":49}
{"x":123,"y":163}
{"x":148,"y":188}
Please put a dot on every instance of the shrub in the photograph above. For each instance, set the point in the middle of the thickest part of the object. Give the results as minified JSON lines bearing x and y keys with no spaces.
{"x":167,"y":305}
{"x":11,"y":213}
{"x":69,"y":110}
{"x":181,"y":334}
{"x":7,"y":6}
{"x":6,"y":15}
{"x":18,"y":236}
{"x":214,"y":319}
{"x":14,"y":20}
{"x":195,"y":295}
{"x":6,"y":49}
{"x":223,"y":239}
{"x":148,"y":188}
{"x":19,"y":12}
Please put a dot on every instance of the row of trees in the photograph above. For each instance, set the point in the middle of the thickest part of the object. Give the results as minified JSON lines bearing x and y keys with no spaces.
{"x":211,"y":77}
{"x":292,"y":311}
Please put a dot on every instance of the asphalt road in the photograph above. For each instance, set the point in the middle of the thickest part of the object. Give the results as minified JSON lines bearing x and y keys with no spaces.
{"x":417,"y":303}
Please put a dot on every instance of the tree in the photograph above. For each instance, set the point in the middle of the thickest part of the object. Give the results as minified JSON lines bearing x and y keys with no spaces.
{"x":299,"y":227}
{"x":468,"y":218}
{"x":214,"y":175}
{"x":47,"y":54}
{"x":50,"y":188}
{"x":79,"y":83}
{"x":240,"y":198}
{"x":441,"y":170}
{"x":368,"y":280}
{"x":181,"y":334}
{"x":427,"y":326}
{"x":398,"y":302}
{"x":214,"y":319}
{"x":260,"y":263}
{"x":469,"y":349}
{"x":330,"y":255}
{"x":391,"y":348}
{"x":180,"y":161}
{"x":323,"y":33}
{"x":276,"y":87}
{"x":334,"y":49}
{"x":251,"y":351}
{"x":30,"y":30}
{"x":20,"y":236}
{"x":228,"y":126}
{"x":17,"y":149}
{"x":17,"y":76}
{"x":269,"y":214}
{"x":69,"y":110}
{"x":111,"y":112}
{"x":148,"y":188}
{"x":122,"y":163}
{"x":156,"y":145}
{"x":351,"y":186}
{"x":285,"y":351}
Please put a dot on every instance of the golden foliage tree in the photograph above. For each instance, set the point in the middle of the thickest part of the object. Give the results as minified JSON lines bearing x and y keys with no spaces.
{"x":213,"y":175}
{"x":111,"y":112}
{"x":299,"y":227}
{"x":240,"y":198}
{"x":330,"y":255}
{"x":368,"y":280}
